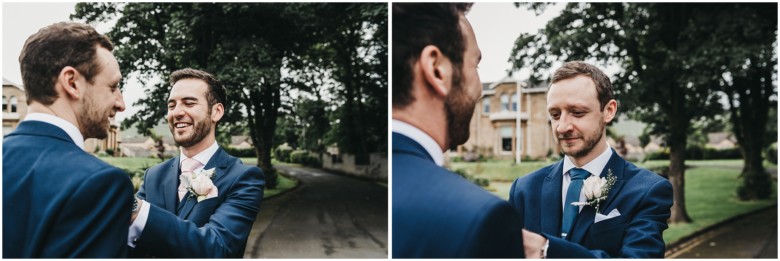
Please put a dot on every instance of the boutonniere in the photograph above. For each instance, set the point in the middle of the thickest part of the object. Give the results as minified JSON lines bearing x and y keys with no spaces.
{"x":596,"y":190}
{"x":200,"y":184}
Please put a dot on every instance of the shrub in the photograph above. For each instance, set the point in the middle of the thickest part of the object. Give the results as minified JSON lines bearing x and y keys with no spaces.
{"x":298,"y":156}
{"x":771,"y":153}
{"x":282,"y":154}
{"x":482,"y":182}
{"x":241,"y":153}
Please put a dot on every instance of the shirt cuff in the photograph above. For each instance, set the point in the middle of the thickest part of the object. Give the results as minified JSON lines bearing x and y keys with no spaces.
{"x":138,"y":225}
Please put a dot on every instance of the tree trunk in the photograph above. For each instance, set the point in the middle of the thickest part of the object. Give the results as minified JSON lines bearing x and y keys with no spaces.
{"x":677,"y":178}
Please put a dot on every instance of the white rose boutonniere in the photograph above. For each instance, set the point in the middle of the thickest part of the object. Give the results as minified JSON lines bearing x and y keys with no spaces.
{"x":200,"y":184}
{"x":596,"y":190}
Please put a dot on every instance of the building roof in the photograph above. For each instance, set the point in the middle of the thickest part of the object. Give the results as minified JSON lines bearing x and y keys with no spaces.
{"x":6,"y":82}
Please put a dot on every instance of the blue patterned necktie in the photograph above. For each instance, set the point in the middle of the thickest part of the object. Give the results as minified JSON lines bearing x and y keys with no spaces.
{"x":572,"y":195}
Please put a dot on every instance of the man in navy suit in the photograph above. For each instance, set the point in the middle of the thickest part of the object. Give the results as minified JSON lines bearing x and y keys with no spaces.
{"x":437,"y":213}
{"x":629,"y":222}
{"x":182,"y":216}
{"x":59,"y":201}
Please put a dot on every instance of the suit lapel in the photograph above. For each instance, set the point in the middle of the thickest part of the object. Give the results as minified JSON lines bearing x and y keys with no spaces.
{"x":551,"y":201}
{"x":588,"y":214}
{"x":171,"y":185}
{"x":220,"y":162}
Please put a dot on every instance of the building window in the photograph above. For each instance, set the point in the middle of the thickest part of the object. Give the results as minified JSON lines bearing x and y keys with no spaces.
{"x":506,"y":139}
{"x":5,"y":103}
{"x":514,"y":102}
{"x":504,"y":102}
{"x":486,"y":105}
{"x":13,"y":104}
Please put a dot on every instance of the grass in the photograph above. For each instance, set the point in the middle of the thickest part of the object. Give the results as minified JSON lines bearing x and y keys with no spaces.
{"x":710,"y":195}
{"x":285,"y":184}
{"x":137,"y":163}
{"x":710,"y":189}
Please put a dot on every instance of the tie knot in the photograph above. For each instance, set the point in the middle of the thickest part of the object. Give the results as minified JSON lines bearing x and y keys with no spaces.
{"x":189,"y":164}
{"x":578,"y":173}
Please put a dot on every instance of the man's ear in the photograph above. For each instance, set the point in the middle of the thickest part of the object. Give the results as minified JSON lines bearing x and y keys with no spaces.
{"x":69,"y":80}
{"x":437,"y":69}
{"x":610,"y":110}
{"x":217,"y":111}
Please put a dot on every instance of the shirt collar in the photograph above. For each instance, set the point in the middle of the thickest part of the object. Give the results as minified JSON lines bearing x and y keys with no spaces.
{"x":61,"y":123}
{"x":595,"y":166}
{"x":204,"y":156}
{"x":422,"y":138}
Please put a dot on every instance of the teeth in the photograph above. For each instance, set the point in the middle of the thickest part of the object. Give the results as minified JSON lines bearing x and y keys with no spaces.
{"x":182,"y":125}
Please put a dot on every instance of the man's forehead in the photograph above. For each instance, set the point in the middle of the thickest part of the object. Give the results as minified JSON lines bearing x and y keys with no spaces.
{"x":188,"y":88}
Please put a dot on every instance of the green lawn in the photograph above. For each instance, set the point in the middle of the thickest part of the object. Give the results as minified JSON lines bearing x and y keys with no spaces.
{"x":710,"y":189}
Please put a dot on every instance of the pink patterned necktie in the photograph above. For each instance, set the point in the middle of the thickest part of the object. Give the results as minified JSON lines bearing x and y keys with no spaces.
{"x":188,"y":165}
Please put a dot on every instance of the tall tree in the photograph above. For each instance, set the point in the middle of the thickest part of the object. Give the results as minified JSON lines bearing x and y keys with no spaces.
{"x":739,"y":42}
{"x":247,"y":45}
{"x":656,"y":82}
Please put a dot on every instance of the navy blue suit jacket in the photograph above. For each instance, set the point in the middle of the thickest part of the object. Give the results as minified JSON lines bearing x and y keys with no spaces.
{"x":59,"y":201}
{"x":215,"y":227}
{"x":643,"y":198}
{"x":437,"y":213}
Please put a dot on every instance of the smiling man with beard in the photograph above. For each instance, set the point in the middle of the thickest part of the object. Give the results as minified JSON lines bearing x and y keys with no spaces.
{"x":628,"y":218}
{"x":437,"y":213}
{"x":203,"y":203}
{"x":58,"y":200}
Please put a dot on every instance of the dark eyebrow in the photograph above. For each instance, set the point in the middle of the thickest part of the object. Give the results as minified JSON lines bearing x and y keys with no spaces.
{"x":183,"y":99}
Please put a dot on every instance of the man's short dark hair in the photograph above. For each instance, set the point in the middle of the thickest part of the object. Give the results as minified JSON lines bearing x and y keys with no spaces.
{"x":54,"y":47}
{"x":575,"y":68}
{"x":417,"y":25}
{"x":216,"y":91}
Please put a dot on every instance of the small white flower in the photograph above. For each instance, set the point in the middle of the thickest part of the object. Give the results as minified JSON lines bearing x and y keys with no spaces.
{"x":596,"y":190}
{"x":200,"y":184}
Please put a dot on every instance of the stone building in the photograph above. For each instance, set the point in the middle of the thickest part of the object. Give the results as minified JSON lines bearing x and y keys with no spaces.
{"x":494,"y":123}
{"x":15,"y":109}
{"x":14,"y":105}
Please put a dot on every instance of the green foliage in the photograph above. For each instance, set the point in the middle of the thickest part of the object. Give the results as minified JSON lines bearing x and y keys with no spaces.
{"x":305,"y":158}
{"x":771,"y":153}
{"x":282,"y":154}
{"x":248,"y":46}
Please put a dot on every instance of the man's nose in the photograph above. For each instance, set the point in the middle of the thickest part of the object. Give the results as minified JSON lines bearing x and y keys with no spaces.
{"x":120,"y":102}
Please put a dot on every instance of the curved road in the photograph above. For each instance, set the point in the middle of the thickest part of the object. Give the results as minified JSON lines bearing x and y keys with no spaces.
{"x":327,"y":216}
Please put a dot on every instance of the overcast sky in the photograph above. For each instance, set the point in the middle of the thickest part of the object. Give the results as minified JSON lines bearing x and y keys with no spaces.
{"x":497,"y":26}
{"x":20,"y":20}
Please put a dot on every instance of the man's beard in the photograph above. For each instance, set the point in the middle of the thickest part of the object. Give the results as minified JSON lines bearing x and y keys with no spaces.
{"x":459,"y":107}
{"x":200,"y":130}
{"x":94,"y":122}
{"x":589,"y":142}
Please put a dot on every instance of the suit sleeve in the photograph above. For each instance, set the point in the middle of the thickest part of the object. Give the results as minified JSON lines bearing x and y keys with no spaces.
{"x":225,"y":234}
{"x":498,"y":234}
{"x":516,"y":199}
{"x":96,"y":216}
{"x":643,"y":238}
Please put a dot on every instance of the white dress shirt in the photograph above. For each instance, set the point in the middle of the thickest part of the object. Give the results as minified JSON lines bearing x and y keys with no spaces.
{"x":66,"y":126}
{"x":140,"y":221}
{"x":425,"y":140}
{"x":595,"y":167}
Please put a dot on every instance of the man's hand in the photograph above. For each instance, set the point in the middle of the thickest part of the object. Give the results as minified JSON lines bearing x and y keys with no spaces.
{"x":533,"y":244}
{"x":134,"y":214}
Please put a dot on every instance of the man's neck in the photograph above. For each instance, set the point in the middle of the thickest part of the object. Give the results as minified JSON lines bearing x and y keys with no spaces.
{"x":58,"y":109}
{"x":199,"y":147}
{"x":428,"y":121}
